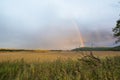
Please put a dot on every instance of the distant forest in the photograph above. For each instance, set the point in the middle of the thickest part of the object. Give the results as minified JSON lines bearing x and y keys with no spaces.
{"x":98,"y":49}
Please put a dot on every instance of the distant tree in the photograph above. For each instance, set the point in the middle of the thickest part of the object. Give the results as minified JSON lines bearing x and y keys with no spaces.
{"x":116,"y":31}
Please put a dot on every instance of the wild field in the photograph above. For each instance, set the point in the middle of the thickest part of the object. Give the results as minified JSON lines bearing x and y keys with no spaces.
{"x":38,"y":56}
{"x":60,"y":65}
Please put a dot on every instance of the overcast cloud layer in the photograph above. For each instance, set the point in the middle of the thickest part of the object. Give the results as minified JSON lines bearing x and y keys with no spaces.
{"x":49,"y":24}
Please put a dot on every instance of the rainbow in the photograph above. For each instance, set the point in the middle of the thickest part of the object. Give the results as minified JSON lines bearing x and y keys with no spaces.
{"x":80,"y":34}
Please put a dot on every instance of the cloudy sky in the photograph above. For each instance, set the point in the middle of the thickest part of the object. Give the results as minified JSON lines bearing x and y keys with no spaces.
{"x":57,"y":24}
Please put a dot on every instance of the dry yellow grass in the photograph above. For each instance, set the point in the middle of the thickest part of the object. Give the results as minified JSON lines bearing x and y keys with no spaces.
{"x":38,"y":56}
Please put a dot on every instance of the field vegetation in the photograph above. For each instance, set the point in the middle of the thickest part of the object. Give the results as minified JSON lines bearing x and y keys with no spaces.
{"x":88,"y":67}
{"x":42,"y":55}
{"x":60,"y":65}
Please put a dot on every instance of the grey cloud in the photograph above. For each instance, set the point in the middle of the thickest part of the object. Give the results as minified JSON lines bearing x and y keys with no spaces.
{"x":99,"y":38}
{"x":48,"y":24}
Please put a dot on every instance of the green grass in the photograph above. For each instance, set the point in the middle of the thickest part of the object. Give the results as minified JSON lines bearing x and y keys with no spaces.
{"x":86,"y":68}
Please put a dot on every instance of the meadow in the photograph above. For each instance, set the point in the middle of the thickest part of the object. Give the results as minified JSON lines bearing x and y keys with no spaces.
{"x":40,"y":56}
{"x":60,"y":65}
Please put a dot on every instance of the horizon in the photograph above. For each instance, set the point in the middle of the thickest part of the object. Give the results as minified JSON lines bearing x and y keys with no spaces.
{"x":60,"y":24}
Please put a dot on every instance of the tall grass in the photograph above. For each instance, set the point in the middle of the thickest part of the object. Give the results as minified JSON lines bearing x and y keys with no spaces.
{"x":87,"y":68}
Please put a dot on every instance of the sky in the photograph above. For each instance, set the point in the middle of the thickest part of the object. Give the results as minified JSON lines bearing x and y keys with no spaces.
{"x":57,"y":24}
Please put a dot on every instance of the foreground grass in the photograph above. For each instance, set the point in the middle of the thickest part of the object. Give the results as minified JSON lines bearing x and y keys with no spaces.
{"x":87,"y":68}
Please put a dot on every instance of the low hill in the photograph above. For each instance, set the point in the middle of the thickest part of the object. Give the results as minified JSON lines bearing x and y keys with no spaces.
{"x":117,"y":48}
{"x":98,"y":49}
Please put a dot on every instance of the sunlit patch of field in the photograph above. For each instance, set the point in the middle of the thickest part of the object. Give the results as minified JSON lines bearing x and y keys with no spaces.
{"x":38,"y":56}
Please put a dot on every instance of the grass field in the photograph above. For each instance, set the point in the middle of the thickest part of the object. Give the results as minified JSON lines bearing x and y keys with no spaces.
{"x":60,"y":65}
{"x":38,"y":56}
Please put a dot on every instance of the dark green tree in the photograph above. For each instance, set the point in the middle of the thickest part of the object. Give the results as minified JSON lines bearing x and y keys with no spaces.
{"x":116,"y":31}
